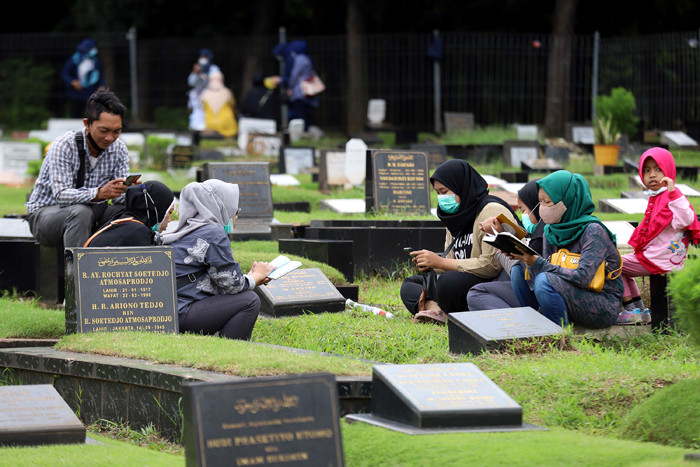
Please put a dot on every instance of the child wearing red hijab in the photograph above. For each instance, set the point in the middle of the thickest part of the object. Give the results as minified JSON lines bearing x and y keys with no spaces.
{"x":660,"y":241}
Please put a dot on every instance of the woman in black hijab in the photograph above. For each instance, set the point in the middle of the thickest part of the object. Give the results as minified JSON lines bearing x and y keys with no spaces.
{"x":147,"y":212}
{"x":499,"y":294}
{"x":463,"y":203}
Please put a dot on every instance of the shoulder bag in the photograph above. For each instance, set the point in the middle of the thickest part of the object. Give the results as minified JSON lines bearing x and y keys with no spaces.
{"x":566,"y":259}
{"x":312,"y":85}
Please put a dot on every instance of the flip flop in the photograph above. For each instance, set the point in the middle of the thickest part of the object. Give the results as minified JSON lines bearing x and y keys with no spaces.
{"x":431,"y":316}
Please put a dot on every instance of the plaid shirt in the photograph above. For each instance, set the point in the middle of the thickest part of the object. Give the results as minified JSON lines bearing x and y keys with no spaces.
{"x":59,"y":173}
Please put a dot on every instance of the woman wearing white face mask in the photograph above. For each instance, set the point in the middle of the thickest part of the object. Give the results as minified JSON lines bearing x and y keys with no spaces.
{"x":499,"y":294}
{"x":213,"y":294}
{"x":559,"y":293}
{"x":463,"y":203}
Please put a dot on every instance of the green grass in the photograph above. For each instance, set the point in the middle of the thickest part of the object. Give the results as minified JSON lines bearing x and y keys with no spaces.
{"x":26,"y":319}
{"x":494,"y":134}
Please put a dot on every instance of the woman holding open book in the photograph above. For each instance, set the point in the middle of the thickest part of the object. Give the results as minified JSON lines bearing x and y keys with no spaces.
{"x":463,"y":203}
{"x":213,"y":294}
{"x":566,"y":292}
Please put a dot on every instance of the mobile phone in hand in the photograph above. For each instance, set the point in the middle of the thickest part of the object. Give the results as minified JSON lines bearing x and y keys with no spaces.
{"x":408,"y":249}
{"x":131,"y":179}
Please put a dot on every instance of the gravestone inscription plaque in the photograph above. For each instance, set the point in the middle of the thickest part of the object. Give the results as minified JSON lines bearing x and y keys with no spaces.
{"x":35,"y":415}
{"x":420,"y":398}
{"x":255,"y":193}
{"x":181,"y":157}
{"x":397,"y":182}
{"x":302,"y":290}
{"x":456,"y":121}
{"x":15,"y":159}
{"x":264,"y":421}
{"x":437,"y":153}
{"x":475,"y":331}
{"x":296,"y":160}
{"x":121,"y":289}
{"x":516,"y":151}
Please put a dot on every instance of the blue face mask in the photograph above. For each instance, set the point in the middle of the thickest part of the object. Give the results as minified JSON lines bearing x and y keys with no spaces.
{"x":156,"y":228}
{"x":448,"y":203}
{"x":93,"y":53}
{"x":527,"y":223}
{"x":229,"y":227}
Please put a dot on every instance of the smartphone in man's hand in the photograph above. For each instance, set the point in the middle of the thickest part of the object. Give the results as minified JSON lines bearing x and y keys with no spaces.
{"x":131,"y":179}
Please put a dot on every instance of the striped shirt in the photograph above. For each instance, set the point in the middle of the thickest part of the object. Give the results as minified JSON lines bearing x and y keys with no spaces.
{"x":59,"y":173}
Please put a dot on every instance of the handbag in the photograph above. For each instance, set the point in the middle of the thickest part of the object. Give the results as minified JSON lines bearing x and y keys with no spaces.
{"x":312,"y":85}
{"x":566,"y":259}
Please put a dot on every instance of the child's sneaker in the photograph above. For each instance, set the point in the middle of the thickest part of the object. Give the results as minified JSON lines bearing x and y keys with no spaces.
{"x":646,"y":316}
{"x":629,"y":317}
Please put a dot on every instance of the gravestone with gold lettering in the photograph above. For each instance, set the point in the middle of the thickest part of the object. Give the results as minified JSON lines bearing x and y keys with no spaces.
{"x":441,"y":397}
{"x":255,"y":195}
{"x":397,"y":182}
{"x":121,"y":289}
{"x":476,"y":331}
{"x":300,"y":291}
{"x":263,"y":421}
{"x":35,"y":415}
{"x":181,"y":157}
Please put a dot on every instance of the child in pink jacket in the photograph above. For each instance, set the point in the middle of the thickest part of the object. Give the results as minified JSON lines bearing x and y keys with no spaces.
{"x":660,"y":241}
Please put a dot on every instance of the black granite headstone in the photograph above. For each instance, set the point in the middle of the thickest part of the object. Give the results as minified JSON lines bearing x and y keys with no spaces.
{"x":437,"y":153}
{"x":255,"y":190}
{"x":35,"y":415}
{"x":476,"y":331}
{"x":397,"y":182}
{"x":263,"y":421}
{"x":439,"y":396}
{"x":121,"y":289}
{"x":456,"y":121}
{"x":302,"y":290}
{"x":517,"y":151}
{"x":295,"y":160}
{"x":181,"y":157}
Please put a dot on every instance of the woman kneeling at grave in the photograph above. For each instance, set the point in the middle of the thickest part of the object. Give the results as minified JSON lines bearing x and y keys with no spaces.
{"x":213,"y":294}
{"x":564,"y":294}
{"x":147,"y":212}
{"x":463,"y":203}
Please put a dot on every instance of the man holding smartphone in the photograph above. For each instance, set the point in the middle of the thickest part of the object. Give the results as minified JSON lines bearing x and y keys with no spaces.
{"x":82,"y":171}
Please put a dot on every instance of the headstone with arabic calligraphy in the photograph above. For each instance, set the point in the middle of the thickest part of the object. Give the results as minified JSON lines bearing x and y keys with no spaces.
{"x":397,"y":182}
{"x":121,"y":289}
{"x":263,"y":421}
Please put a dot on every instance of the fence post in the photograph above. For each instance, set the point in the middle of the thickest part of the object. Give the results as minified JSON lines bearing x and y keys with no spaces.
{"x":436,"y":88}
{"x":131,"y":37}
{"x":594,"y":84}
{"x":283,"y":96}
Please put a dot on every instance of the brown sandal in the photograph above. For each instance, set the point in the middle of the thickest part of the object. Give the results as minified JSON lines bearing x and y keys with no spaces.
{"x":431,"y":316}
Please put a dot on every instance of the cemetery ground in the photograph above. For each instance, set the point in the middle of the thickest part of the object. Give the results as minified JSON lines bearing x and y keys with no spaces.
{"x":605,"y":401}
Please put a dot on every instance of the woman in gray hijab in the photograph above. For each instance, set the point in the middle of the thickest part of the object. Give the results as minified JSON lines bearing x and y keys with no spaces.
{"x":213,"y":294}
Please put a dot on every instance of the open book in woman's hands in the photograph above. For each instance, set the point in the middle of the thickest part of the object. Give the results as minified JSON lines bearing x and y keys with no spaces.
{"x":508,"y":243}
{"x":283,"y":266}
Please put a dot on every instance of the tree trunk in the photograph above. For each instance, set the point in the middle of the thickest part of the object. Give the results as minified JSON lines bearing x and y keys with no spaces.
{"x":559,"y":67}
{"x":261,"y":27}
{"x":355,"y":99}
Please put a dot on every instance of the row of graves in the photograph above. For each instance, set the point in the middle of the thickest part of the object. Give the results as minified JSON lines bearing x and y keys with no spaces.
{"x":273,"y":420}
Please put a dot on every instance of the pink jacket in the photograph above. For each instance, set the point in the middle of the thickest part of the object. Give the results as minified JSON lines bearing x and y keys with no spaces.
{"x":667,"y":251}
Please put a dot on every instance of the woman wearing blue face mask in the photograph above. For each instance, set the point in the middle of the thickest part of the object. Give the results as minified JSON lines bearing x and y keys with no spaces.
{"x":213,"y":294}
{"x":463,"y":203}
{"x":499,"y":294}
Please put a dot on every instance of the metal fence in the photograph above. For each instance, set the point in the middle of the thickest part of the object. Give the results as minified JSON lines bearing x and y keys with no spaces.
{"x":501,"y":78}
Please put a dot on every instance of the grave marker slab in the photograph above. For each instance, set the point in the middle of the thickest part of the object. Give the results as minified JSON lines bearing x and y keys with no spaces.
{"x":582,"y":135}
{"x":527,"y":132}
{"x":260,"y":144}
{"x":181,"y":157}
{"x":343,"y":206}
{"x":557,"y":153}
{"x":331,"y":171}
{"x":440,"y":397}
{"x":295,"y":129}
{"x":437,"y":153}
{"x":133,"y":139}
{"x":623,"y":231}
{"x":515,"y":152}
{"x":397,"y":182}
{"x":302,"y":290}
{"x":255,"y":200}
{"x":677,"y":139}
{"x":623,"y":205}
{"x":456,"y":121}
{"x":14,"y":160}
{"x":540,"y":165}
{"x":475,"y":331}
{"x":376,"y":111}
{"x":296,"y":160}
{"x":121,"y":289}
{"x":254,"y":125}
{"x":35,"y":415}
{"x":355,"y":161}
{"x":272,"y":421}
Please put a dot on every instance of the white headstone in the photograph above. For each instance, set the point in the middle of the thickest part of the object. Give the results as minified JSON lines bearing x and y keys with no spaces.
{"x":622,"y":230}
{"x":133,"y":139}
{"x":355,"y":161}
{"x":335,"y":168}
{"x":64,"y":124}
{"x":677,"y":138}
{"x":494,"y":181}
{"x":627,"y":205}
{"x":344,"y":206}
{"x":583,"y":134}
{"x":263,"y":144}
{"x":376,"y":111}
{"x":297,"y":159}
{"x":254,"y":125}
{"x":520,"y":154}
{"x":14,"y":160}
{"x":296,"y":129}
{"x":284,"y":180}
{"x":527,"y":132}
